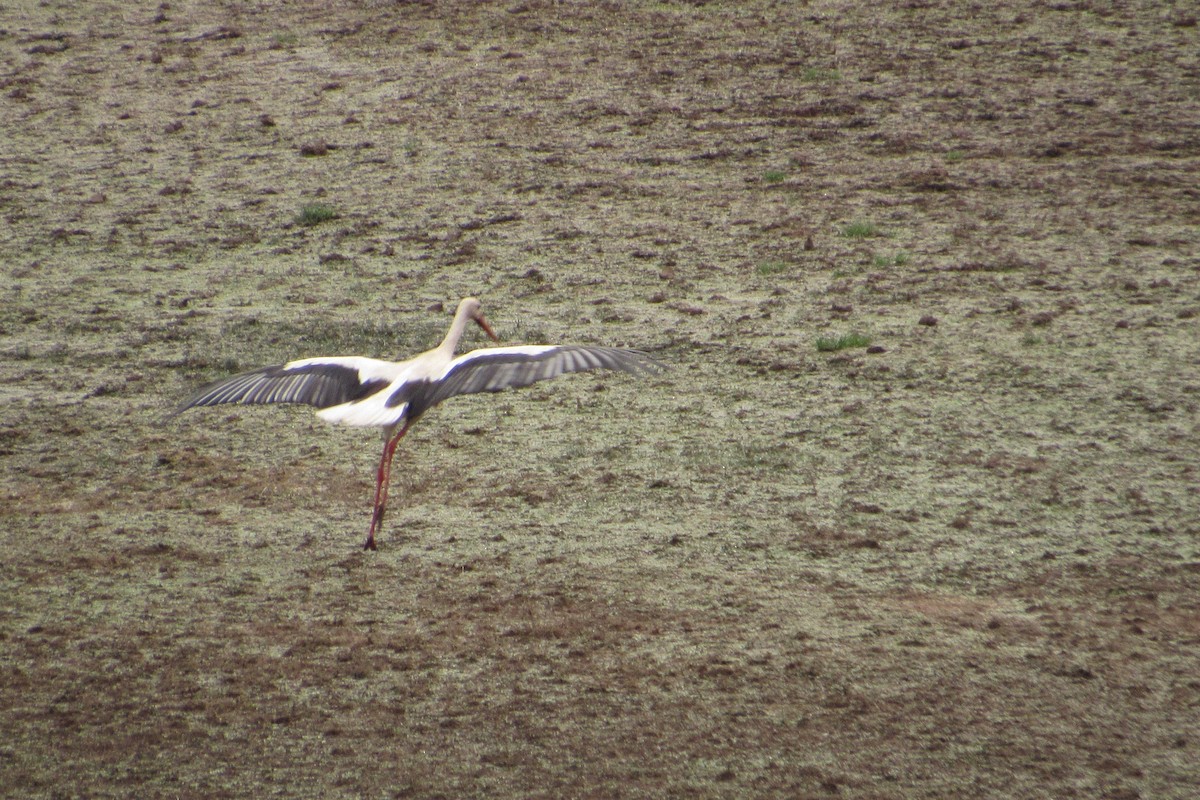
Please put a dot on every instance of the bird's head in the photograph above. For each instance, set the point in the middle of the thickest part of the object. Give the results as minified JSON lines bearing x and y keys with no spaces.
{"x":471,"y":308}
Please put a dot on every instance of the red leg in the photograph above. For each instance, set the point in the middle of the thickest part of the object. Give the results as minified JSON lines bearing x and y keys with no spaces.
{"x":382,"y":478}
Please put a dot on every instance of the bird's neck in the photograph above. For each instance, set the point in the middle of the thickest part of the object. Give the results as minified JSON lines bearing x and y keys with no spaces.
{"x":457,"y":329}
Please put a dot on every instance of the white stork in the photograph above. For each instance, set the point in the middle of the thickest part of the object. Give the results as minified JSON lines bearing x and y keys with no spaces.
{"x":389,"y":395}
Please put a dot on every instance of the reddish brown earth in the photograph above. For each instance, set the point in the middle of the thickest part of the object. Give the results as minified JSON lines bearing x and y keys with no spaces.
{"x":962,"y":562}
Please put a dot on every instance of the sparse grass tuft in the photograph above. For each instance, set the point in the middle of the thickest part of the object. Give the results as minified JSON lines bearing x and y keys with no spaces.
{"x":774,"y":176}
{"x":315,"y":214}
{"x":771,"y":267}
{"x":955,"y":155}
{"x":829,"y":345}
{"x":860,"y":230}
{"x":284,"y":39}
{"x":821,"y":74}
{"x":898,"y":260}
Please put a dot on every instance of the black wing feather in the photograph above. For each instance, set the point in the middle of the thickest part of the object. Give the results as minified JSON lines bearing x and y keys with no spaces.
{"x":320,"y":385}
{"x":494,"y":373}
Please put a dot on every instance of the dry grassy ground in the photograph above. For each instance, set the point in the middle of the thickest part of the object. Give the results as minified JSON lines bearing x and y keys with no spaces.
{"x":964,"y":562}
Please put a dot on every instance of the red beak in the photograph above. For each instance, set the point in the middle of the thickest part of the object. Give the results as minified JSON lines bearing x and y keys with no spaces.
{"x":487,"y":328}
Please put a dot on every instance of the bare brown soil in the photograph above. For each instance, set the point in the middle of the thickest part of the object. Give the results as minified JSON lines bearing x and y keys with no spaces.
{"x":962,"y":562}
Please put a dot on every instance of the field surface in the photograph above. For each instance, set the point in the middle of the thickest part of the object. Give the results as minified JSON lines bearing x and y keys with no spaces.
{"x":914,"y":513}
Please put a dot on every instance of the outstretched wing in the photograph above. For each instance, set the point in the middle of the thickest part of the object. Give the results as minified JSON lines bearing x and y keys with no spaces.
{"x":496,"y":368}
{"x":320,"y":382}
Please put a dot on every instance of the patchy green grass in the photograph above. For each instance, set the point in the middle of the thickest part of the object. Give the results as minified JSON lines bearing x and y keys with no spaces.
{"x":315,"y":214}
{"x":844,"y":342}
{"x":774,"y":176}
{"x":772,"y":267}
{"x":821,"y":75}
{"x":897,"y":260}
{"x":860,"y":230}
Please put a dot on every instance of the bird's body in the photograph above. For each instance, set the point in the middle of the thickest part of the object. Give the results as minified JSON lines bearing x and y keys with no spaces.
{"x":389,"y":395}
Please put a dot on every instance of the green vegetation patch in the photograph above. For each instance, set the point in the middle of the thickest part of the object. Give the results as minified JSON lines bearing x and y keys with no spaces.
{"x":771,"y":267}
{"x":860,"y":230}
{"x":316,"y":213}
{"x":830,"y":344}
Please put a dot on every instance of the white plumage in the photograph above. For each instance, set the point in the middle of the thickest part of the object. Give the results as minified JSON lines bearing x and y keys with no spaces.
{"x":355,"y":390}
